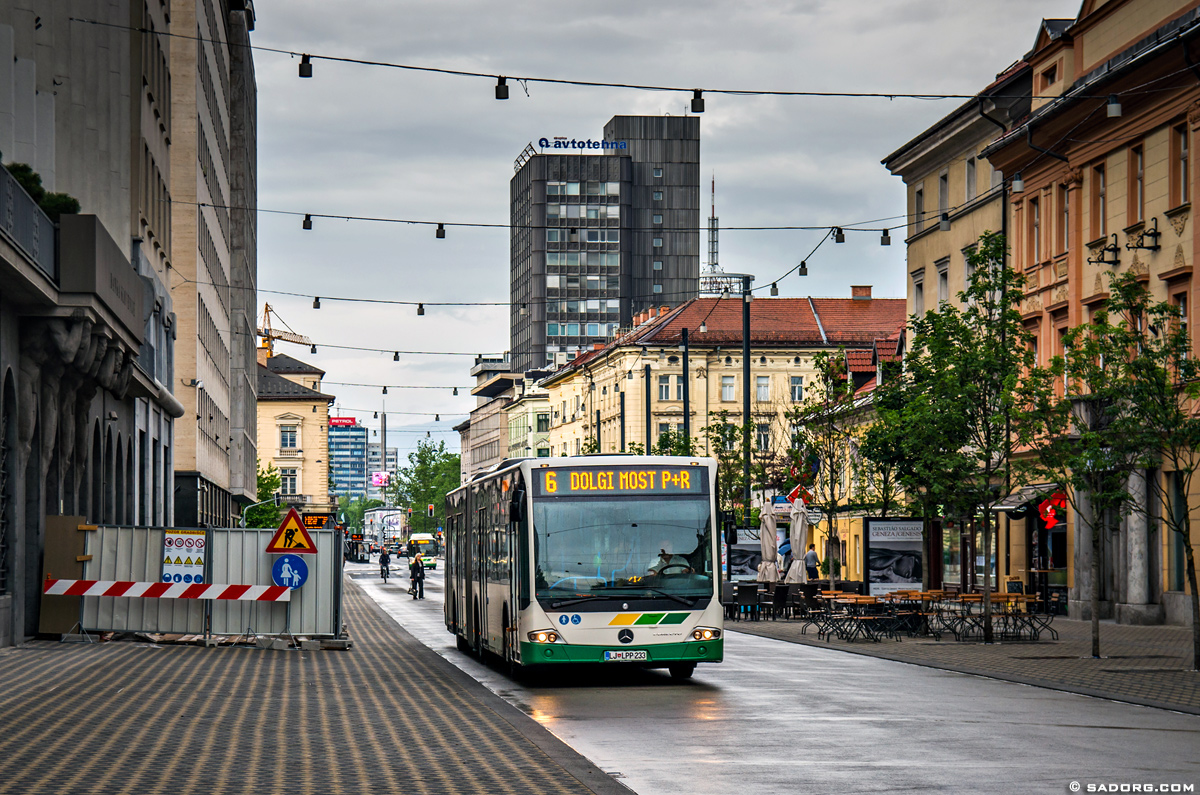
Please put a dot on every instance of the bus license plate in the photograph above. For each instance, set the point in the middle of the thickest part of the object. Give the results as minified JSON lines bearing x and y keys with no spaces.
{"x":625,"y":655}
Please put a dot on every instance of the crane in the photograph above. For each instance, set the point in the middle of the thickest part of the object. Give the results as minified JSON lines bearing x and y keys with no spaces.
{"x":270,"y":334}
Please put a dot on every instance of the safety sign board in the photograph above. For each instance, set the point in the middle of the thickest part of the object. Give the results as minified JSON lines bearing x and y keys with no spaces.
{"x":183,"y":556}
{"x":289,"y":571}
{"x":292,"y":537}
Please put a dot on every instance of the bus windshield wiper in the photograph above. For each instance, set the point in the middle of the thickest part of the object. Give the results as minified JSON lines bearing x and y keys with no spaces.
{"x":682,"y":600}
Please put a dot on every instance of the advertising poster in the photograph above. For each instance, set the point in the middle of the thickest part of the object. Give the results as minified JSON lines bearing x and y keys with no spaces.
{"x":893,"y":552}
{"x":183,"y":556}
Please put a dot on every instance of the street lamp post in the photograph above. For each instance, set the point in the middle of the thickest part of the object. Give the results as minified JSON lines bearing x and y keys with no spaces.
{"x":647,"y":450}
{"x":687,"y":414}
{"x":746,"y":425}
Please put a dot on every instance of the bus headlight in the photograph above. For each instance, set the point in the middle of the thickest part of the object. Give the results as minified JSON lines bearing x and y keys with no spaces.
{"x":543,"y":636}
{"x":706,"y":633}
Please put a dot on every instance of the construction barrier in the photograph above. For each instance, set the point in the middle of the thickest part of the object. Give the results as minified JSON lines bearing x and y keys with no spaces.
{"x":162,"y":590}
{"x":233,"y":555}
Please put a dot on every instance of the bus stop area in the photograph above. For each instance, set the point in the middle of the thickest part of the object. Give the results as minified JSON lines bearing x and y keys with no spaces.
{"x":389,"y":715}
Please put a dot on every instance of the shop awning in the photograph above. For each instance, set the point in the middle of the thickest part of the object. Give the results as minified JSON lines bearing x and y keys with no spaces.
{"x":1023,"y":495}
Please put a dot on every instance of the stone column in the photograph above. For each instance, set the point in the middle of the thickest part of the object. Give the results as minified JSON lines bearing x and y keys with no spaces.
{"x":1137,"y":608}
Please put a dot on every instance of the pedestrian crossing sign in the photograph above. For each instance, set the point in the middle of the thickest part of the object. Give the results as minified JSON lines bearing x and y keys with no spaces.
{"x":292,"y":537}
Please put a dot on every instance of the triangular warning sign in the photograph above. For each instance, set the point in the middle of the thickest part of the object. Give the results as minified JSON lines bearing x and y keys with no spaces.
{"x":292,"y":537}
{"x":167,"y":559}
{"x":187,"y":562}
{"x":178,"y":561}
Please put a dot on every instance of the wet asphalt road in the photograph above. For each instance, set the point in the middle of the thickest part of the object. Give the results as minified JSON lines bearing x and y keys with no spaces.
{"x":777,"y":717}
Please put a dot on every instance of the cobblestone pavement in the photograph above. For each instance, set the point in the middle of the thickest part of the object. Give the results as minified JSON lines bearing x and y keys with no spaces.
{"x":387,"y":716}
{"x":1141,"y":665}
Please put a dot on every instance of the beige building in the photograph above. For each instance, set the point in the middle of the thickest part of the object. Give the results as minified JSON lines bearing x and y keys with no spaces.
{"x":953,"y":193}
{"x":529,"y":420}
{"x":293,"y":430}
{"x":1100,"y":180}
{"x":484,"y":435}
{"x":212,"y":192}
{"x":630,"y":391}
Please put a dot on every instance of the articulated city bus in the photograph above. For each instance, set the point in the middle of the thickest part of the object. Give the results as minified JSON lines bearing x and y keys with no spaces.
{"x":593,"y":559}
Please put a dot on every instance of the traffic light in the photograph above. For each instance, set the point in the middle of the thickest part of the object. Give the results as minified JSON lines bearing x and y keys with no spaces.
{"x":429,"y":510}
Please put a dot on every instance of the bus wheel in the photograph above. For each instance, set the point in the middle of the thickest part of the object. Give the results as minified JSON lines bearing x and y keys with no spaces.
{"x":462,"y":644}
{"x":682,"y":670}
{"x":510,"y":664}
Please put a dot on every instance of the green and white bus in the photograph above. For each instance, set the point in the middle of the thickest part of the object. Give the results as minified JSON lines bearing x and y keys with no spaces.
{"x":594,"y":559}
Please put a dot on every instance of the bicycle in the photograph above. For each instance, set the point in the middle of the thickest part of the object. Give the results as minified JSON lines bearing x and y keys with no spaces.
{"x":384,"y":572}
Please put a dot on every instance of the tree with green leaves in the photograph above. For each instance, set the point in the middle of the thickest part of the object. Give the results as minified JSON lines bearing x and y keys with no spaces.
{"x":1080,"y":418}
{"x":267,"y":514}
{"x":354,"y":510}
{"x":970,"y":360}
{"x":824,"y":428}
{"x":1166,"y":391}
{"x":431,"y":474}
{"x":724,"y":441}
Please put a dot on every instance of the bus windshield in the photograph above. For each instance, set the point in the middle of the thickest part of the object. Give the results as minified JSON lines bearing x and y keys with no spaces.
{"x":622,"y":548}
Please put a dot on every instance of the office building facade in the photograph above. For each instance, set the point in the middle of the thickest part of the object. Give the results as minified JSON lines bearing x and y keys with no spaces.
{"x":597,"y":238}
{"x":374,"y":464}
{"x":348,"y":457}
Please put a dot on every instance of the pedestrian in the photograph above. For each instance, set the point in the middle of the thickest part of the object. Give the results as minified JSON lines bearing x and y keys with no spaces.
{"x":811,"y":562}
{"x":416,"y":573}
{"x":384,"y":564}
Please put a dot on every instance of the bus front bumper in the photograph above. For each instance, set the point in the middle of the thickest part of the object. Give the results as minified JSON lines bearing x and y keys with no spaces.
{"x":656,"y":654}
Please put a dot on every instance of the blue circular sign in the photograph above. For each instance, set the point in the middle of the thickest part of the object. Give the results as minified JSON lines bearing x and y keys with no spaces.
{"x":290,"y":571}
{"x":167,"y":577}
{"x":575,"y":619}
{"x":199,"y":578}
{"x":178,"y":578}
{"x":563,"y":619}
{"x":187,"y":578}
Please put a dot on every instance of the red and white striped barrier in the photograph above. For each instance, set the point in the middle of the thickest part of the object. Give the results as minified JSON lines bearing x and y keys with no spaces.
{"x":166,"y":590}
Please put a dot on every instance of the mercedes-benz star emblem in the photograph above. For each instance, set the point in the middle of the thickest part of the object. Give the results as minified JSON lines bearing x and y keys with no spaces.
{"x":625,"y":636}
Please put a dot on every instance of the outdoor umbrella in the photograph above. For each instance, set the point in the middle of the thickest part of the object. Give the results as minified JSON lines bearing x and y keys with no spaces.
{"x":768,"y":570}
{"x":797,"y":572}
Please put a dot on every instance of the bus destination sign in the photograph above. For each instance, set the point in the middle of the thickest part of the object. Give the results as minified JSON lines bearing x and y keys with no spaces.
{"x":600,"y":481}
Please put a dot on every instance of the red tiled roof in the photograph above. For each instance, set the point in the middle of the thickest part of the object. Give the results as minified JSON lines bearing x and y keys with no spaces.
{"x":867,"y":387}
{"x":773,"y":321}
{"x":860,"y":361}
{"x":856,"y":321}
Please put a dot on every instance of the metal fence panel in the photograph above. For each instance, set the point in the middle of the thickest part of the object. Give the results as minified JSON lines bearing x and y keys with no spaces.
{"x":134,"y":553}
{"x":236,"y":556}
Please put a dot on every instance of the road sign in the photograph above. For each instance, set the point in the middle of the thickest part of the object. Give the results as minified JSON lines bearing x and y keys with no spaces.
{"x":183,"y":556}
{"x":290,"y":571}
{"x":316,"y":521}
{"x":292,"y":537}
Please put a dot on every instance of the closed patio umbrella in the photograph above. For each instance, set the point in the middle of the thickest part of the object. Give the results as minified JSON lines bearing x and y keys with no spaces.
{"x":799,"y":530}
{"x":768,"y":570}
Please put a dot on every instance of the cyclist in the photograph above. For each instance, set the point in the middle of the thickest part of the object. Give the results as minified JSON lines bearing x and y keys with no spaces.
{"x":384,"y":561}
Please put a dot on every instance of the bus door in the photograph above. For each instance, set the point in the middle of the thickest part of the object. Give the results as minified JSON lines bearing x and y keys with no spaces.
{"x":518,"y":558}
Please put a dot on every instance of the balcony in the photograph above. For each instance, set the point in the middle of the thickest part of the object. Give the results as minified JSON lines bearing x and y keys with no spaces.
{"x":289,"y":452}
{"x":24,"y":223}
{"x":297,"y":499}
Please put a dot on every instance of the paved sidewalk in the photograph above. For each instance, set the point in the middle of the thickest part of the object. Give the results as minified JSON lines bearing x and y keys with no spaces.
{"x":387,"y":716}
{"x":1141,"y":665}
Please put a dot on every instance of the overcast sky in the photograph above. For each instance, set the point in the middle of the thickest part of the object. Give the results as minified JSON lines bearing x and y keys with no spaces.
{"x":373,"y":141}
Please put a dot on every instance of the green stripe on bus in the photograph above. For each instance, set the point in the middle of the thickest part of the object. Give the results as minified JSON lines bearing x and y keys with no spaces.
{"x":650,"y":618}
{"x":675,"y":618}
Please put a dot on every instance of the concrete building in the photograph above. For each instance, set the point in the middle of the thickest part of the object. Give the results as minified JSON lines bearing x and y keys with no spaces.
{"x":293,"y":418}
{"x":597,"y":238}
{"x":87,"y":320}
{"x":348,"y":457}
{"x":212,"y":188}
{"x":375,"y":464}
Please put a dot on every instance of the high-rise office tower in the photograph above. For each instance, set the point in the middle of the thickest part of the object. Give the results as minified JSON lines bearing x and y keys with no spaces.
{"x":602,"y":229}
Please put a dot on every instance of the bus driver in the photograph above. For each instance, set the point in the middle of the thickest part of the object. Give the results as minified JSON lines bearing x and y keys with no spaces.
{"x":667,"y":563}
